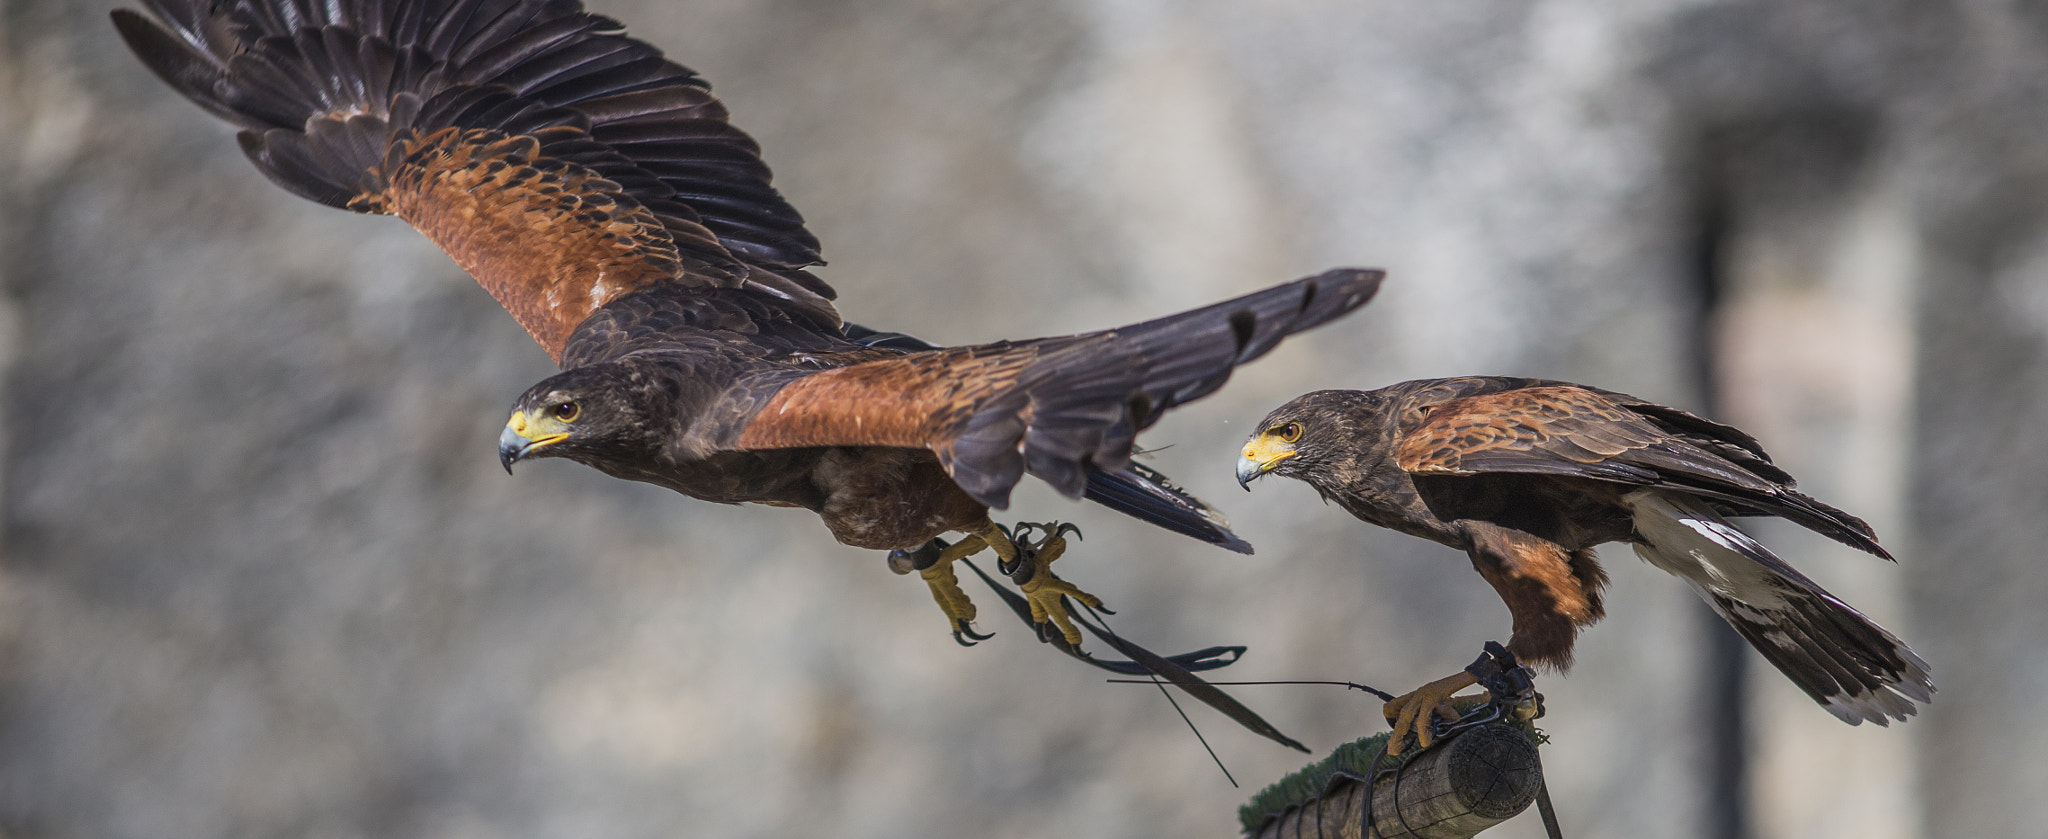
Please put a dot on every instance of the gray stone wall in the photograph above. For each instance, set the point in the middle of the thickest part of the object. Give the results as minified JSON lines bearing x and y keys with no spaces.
{"x":260,"y":574}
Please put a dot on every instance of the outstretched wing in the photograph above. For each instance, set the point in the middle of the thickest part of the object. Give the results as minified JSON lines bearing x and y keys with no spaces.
{"x":561,"y":163}
{"x":1570,"y":431}
{"x":1051,"y":407}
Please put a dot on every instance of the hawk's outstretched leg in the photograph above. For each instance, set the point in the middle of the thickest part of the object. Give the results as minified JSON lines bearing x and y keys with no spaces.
{"x":934,"y":562}
{"x":1032,"y":571}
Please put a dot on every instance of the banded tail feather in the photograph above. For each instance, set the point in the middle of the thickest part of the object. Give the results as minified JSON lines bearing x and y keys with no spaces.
{"x":1854,"y":668}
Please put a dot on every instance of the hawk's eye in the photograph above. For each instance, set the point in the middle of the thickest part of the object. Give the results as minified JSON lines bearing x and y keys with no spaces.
{"x":566,"y":411}
{"x":1288,"y":433}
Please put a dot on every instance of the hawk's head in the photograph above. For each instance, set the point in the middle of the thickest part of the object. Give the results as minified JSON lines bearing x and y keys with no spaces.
{"x":1305,"y":436}
{"x":589,"y":414}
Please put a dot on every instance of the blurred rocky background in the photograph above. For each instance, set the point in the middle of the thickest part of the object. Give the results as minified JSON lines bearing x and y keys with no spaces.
{"x":260,"y":573}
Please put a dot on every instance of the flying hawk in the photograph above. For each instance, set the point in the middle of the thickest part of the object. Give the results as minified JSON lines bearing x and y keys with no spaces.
{"x":598,"y":192}
{"x":1527,"y":476}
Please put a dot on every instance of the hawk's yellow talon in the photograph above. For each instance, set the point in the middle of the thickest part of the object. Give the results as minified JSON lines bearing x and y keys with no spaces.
{"x":1044,"y":589}
{"x":1412,"y":712}
{"x":945,"y":585}
{"x":997,"y":540}
{"x":946,"y":591}
{"x":967,"y":547}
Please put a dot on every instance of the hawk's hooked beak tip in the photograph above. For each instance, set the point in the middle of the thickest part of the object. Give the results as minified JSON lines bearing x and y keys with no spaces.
{"x":1248,"y":470}
{"x":514,"y":445}
{"x":1259,"y":457}
{"x":511,"y":447}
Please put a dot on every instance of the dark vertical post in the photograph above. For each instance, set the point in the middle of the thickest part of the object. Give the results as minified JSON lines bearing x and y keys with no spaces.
{"x":1724,"y":727}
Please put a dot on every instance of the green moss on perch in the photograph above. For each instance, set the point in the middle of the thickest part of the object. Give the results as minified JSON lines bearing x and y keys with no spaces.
{"x":1471,"y":781}
{"x":1308,"y":783}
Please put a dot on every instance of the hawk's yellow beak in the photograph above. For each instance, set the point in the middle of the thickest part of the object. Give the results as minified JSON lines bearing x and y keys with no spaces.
{"x":1260,"y":455}
{"x":525,"y":434}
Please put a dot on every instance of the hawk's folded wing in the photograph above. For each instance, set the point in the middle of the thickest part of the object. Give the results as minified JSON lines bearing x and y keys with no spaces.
{"x":1570,"y":431}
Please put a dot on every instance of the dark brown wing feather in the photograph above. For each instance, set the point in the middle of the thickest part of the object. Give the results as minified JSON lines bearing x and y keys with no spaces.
{"x":1051,"y":407}
{"x":1727,"y":441}
{"x":560,"y":162}
{"x":1570,"y":431}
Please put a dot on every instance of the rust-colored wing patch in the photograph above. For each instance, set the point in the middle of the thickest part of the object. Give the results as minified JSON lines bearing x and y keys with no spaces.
{"x":1568,"y":424}
{"x":550,"y":240}
{"x":916,"y":401}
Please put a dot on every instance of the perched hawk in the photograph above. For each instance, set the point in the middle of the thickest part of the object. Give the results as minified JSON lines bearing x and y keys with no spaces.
{"x":598,"y":192}
{"x":1527,"y":476}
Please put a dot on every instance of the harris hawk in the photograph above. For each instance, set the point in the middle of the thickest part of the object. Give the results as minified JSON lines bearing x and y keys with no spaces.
{"x":598,"y":192}
{"x":1527,"y":476}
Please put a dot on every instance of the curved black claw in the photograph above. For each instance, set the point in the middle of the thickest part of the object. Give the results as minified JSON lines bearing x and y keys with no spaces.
{"x":1021,"y":534}
{"x":1051,"y":529}
{"x":963,"y":631}
{"x":1023,"y":569}
{"x":1048,"y":633}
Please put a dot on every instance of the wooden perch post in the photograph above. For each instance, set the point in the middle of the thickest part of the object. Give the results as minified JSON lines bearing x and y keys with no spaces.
{"x":1480,"y":777}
